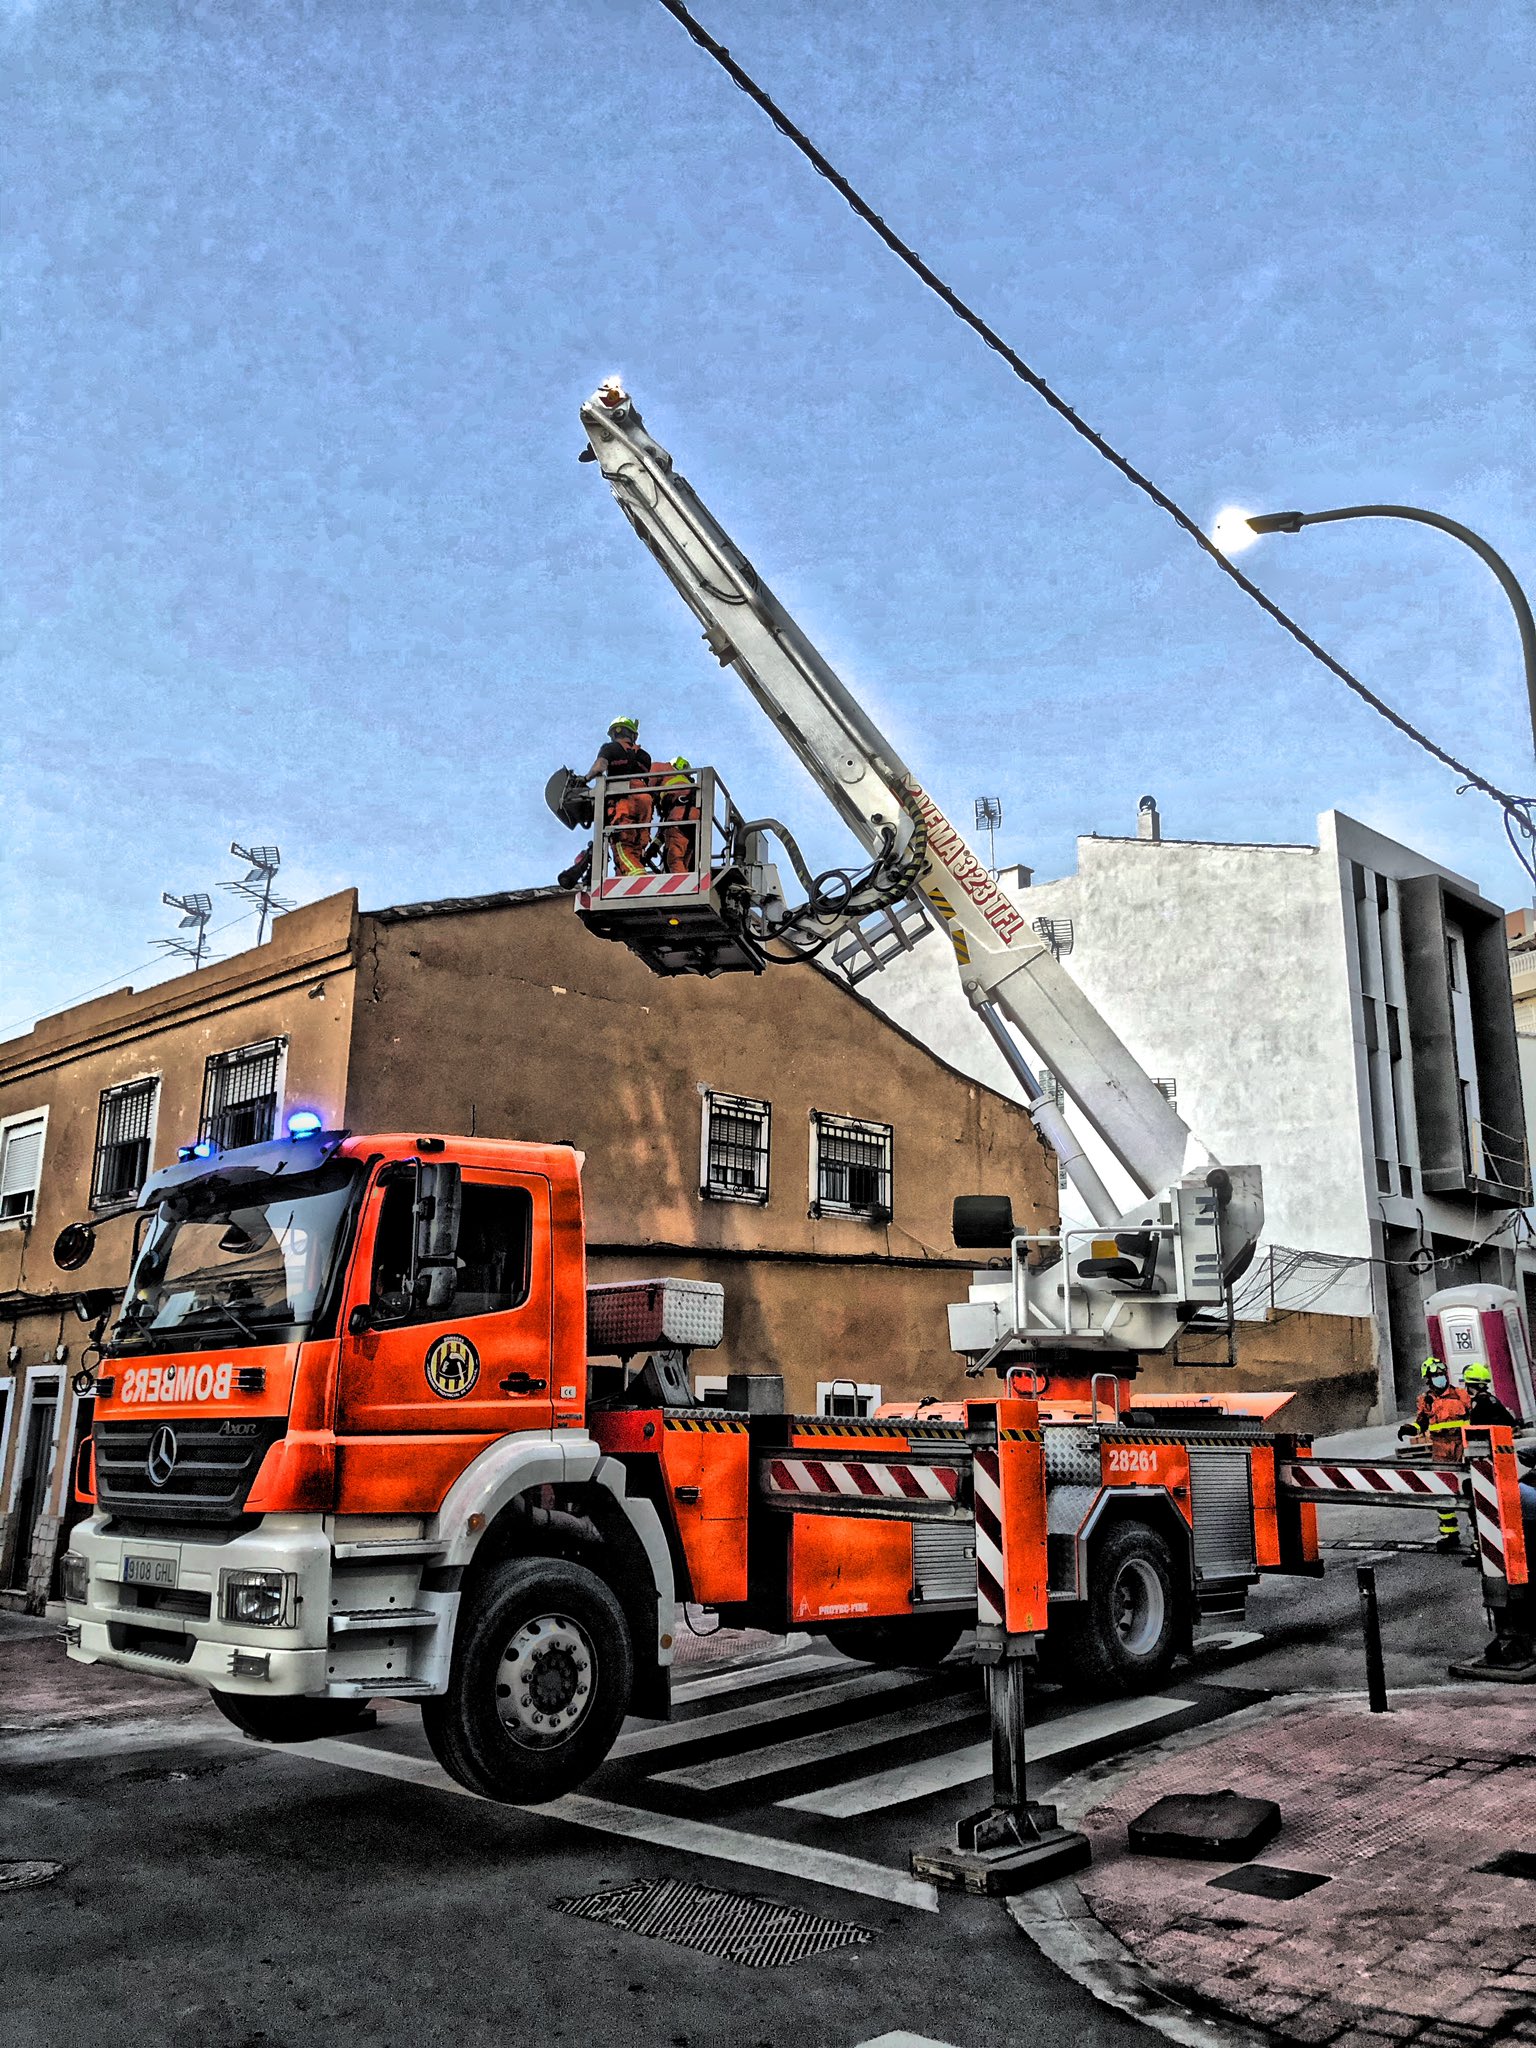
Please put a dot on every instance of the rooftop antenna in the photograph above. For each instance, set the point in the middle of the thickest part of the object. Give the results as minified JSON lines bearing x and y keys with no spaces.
{"x":196,"y":909}
{"x":257,"y":887}
{"x":989,"y":815}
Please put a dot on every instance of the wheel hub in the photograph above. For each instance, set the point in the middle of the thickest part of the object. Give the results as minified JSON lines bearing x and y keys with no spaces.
{"x":544,"y":1681}
{"x":1137,"y":1606}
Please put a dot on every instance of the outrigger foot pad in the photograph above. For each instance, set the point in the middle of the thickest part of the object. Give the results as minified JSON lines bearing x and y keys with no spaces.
{"x":1004,"y":1850}
{"x":1501,"y":1673}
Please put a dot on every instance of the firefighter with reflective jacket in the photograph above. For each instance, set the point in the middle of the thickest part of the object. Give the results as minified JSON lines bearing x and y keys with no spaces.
{"x":1438,"y":1421}
{"x":629,"y":809}
{"x":1483,"y":1404}
{"x":677,"y":808}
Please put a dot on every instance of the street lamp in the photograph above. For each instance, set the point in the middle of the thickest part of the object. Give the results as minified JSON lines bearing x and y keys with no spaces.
{"x":1293,"y":522}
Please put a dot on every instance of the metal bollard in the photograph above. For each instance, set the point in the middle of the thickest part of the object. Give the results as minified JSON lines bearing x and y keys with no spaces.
{"x":1370,"y":1626}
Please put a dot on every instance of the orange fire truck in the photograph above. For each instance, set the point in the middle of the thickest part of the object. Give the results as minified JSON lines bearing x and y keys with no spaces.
{"x":362,"y":1429}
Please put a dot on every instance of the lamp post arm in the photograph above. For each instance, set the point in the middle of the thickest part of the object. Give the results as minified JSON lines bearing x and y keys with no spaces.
{"x":1519,"y":602}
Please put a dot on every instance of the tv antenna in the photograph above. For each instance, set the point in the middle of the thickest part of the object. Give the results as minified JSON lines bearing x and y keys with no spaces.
{"x":989,"y":815}
{"x":196,"y":909}
{"x":257,"y":887}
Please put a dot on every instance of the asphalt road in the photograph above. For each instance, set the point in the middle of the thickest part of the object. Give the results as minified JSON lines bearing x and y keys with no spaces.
{"x":218,"y":1892}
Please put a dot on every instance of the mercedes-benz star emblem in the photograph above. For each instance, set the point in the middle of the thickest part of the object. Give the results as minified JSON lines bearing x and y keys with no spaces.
{"x":162,"y":1455}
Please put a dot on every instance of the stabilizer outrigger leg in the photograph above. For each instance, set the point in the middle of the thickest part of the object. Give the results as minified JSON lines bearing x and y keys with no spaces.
{"x":1498,"y":1535}
{"x":1016,"y":1842}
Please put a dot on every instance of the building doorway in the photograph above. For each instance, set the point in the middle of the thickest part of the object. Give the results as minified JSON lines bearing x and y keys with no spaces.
{"x":39,"y":1422}
{"x":72,"y":1510}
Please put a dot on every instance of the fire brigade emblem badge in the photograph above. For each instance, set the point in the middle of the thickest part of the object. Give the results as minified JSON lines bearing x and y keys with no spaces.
{"x":452,"y":1367}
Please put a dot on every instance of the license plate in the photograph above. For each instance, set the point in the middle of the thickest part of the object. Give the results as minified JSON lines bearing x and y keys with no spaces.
{"x":149,"y":1571}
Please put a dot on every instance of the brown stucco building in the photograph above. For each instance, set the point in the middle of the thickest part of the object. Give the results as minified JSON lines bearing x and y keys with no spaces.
{"x":779,"y":1136}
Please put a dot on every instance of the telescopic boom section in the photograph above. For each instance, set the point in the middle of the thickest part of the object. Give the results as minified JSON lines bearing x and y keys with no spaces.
{"x":1004,"y":967}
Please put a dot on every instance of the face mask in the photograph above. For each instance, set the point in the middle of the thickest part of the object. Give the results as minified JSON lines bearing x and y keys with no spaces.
{"x":1439,"y":1382}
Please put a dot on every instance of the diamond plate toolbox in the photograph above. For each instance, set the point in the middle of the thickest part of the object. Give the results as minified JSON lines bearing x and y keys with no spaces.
{"x":641,"y":1315}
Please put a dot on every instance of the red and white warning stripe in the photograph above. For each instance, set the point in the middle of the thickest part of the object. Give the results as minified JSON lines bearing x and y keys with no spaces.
{"x":853,"y":1483}
{"x":1486,"y":1519}
{"x":991,"y":1599}
{"x":1310,"y":1475}
{"x":651,"y":885}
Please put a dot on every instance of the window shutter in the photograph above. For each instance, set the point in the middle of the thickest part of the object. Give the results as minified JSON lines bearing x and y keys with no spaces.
{"x":22,"y":1161}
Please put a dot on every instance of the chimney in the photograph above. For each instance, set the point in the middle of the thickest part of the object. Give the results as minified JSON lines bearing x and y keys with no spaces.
{"x":1149,"y":823}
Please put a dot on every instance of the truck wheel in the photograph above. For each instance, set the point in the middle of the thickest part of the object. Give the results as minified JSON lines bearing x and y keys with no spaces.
{"x":924,"y":1640}
{"x":1124,"y":1636}
{"x":292,"y":1720}
{"x":539,"y":1685}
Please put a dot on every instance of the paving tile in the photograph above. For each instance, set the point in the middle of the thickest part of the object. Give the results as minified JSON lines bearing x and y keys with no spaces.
{"x":1323,"y":2020}
{"x":1269,"y":2006}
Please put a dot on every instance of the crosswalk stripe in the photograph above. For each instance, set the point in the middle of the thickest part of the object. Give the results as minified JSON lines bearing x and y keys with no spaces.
{"x":763,"y":1713}
{"x":694,"y":1837}
{"x":902,"y":2039}
{"x":904,"y":1782}
{"x":803,"y":1750}
{"x":767,"y":1672}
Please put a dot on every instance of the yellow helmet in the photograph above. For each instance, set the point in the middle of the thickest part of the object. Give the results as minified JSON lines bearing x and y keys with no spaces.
{"x":1477,"y":1376}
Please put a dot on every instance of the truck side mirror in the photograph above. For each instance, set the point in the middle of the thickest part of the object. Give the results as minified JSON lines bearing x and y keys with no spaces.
{"x":73,"y":1246}
{"x":983,"y":1223}
{"x":434,"y":1278}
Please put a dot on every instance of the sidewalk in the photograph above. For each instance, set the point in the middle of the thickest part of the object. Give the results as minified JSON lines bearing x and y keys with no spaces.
{"x":1411,"y":1939}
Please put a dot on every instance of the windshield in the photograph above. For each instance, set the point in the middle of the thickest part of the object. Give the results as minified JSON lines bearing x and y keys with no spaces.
{"x":245,"y":1264}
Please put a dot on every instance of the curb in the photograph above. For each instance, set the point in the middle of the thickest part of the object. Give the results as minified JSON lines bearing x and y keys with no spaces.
{"x":1060,"y":1923}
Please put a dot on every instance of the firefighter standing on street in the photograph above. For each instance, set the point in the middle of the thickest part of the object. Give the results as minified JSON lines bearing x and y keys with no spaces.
{"x":1485,"y":1407}
{"x":677,"y":807}
{"x":1483,"y":1404}
{"x":1438,"y":1421}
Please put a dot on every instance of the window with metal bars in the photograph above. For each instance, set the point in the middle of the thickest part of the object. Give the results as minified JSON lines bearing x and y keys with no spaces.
{"x":734,"y":1162}
{"x":240,"y":1094}
{"x":122,"y":1142}
{"x":850,"y":1167}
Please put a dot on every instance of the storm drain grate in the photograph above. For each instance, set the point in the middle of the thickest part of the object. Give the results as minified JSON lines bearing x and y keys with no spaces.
{"x":755,"y":1932}
{"x":17,"y":1876}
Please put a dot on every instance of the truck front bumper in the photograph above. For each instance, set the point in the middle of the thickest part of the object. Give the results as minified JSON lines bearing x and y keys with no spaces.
{"x":177,"y":1630}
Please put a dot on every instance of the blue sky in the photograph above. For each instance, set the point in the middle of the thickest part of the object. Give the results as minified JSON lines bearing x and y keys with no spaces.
{"x":301,"y":299}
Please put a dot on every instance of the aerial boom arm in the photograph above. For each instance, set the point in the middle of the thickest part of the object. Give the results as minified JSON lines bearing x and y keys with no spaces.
{"x":1004,"y":966}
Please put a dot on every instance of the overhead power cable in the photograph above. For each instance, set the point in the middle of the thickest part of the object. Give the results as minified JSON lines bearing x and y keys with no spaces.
{"x":1519,"y":816}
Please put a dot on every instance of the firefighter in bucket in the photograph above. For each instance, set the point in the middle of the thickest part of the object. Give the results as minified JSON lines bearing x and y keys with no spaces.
{"x":677,"y":811}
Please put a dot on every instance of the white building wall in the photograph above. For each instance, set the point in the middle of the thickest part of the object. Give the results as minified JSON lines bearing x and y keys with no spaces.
{"x":1226,"y":970}
{"x":1240,"y":973}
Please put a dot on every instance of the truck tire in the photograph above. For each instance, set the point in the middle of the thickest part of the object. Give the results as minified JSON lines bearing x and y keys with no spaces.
{"x":1123,"y":1637}
{"x":539,"y":1684}
{"x":924,"y":1640}
{"x":292,"y":1720}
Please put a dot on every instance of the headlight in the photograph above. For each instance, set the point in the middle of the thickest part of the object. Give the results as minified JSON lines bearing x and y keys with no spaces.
{"x":75,"y":1577}
{"x":259,"y":1599}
